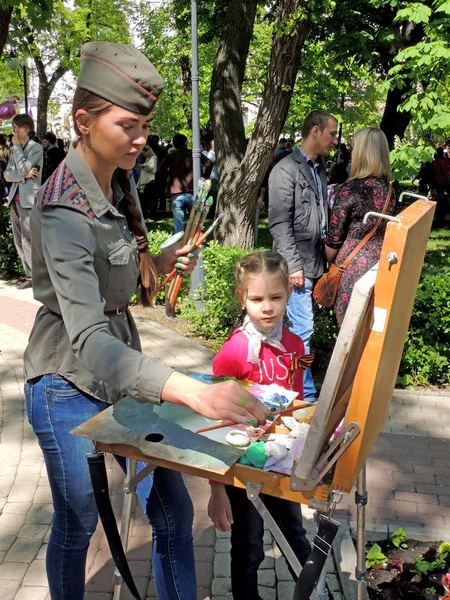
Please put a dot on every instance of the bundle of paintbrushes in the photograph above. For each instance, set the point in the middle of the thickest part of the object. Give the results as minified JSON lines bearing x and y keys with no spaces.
{"x":192,"y":235}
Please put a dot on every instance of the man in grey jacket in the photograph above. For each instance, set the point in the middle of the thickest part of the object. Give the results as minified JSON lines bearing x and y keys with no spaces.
{"x":24,"y":171}
{"x":298,"y":220}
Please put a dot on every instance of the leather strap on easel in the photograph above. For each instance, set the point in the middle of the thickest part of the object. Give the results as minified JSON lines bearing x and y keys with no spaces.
{"x":326,"y":532}
{"x":364,"y":241}
{"x":99,"y":478}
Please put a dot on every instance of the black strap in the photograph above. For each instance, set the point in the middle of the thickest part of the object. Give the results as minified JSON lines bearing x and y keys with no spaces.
{"x":99,"y":478}
{"x":309,"y":576}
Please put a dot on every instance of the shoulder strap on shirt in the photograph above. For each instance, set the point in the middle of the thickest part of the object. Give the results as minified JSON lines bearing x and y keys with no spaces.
{"x":62,"y":188}
{"x":364,"y":241}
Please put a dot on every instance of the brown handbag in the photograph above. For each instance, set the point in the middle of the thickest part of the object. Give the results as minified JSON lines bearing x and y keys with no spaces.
{"x":326,"y":288}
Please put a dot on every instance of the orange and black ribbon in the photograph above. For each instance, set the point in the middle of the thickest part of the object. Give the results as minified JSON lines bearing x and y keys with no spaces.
{"x":299,"y":362}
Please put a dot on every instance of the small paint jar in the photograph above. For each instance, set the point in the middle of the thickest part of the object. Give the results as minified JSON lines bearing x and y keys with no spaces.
{"x":301,"y":415}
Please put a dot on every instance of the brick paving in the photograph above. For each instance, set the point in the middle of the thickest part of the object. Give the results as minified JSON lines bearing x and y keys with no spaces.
{"x":408,"y":477}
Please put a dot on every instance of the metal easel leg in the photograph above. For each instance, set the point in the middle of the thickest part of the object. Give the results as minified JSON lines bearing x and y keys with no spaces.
{"x":321,"y":587}
{"x":253,"y":491}
{"x":129,"y":488}
{"x":361,"y":498}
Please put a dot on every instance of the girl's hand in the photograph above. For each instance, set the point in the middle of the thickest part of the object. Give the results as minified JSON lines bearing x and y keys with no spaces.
{"x":15,"y":139}
{"x":183,"y":258}
{"x":219,"y":508}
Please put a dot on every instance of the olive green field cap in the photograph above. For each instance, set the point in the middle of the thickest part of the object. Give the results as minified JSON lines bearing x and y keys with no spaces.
{"x":120,"y":74}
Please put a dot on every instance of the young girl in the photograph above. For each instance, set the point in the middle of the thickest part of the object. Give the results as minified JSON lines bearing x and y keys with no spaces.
{"x":260,"y":349}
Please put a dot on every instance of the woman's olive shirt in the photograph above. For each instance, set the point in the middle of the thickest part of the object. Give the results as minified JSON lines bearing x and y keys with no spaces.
{"x":85,"y":266}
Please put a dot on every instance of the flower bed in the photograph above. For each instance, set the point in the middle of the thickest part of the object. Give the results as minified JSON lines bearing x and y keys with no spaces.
{"x":407,"y":569}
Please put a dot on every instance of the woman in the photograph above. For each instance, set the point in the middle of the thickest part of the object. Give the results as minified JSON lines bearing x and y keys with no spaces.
{"x":146,"y":185}
{"x":89,"y":250}
{"x":366,"y":190}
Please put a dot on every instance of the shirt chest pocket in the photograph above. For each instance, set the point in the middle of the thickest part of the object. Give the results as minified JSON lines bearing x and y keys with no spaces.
{"x":123,"y":270}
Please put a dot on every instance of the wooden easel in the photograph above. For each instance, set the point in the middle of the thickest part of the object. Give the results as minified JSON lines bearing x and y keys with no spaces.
{"x":358,"y":388}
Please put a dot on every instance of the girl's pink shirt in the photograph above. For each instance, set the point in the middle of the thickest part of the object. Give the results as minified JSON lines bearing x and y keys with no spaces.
{"x":273,"y":364}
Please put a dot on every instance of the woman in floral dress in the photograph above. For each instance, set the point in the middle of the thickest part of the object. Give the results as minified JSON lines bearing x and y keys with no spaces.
{"x":366,"y":190}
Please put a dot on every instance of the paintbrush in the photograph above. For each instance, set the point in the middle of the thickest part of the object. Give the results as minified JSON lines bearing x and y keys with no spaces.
{"x":276,"y":413}
{"x":178,"y":280}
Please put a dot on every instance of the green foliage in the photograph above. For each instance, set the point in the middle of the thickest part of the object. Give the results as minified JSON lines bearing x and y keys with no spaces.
{"x":375,"y":557}
{"x":10,"y":265}
{"x":326,"y":331}
{"x":423,"y":69}
{"x":426,"y":359}
{"x":430,"y":591}
{"x":167,"y":43}
{"x":406,"y":159}
{"x":444,"y":549}
{"x":398,"y":538}
{"x":422,"y":566}
{"x":37,"y":11}
{"x":221,"y":304}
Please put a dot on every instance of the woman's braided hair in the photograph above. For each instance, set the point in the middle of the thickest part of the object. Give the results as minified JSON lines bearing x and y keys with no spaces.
{"x":149,"y":281}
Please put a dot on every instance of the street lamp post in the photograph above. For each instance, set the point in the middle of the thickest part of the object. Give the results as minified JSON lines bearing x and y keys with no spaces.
{"x":197,"y":277}
{"x":14,"y":63}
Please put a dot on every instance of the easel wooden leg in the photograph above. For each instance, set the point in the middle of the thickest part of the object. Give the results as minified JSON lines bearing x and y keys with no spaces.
{"x":361,"y":498}
{"x":129,"y":488}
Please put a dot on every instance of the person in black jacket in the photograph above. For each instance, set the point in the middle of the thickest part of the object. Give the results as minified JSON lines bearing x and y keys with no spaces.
{"x":53,"y":154}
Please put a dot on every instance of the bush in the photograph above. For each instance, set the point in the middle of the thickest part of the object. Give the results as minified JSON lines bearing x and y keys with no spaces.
{"x":426,"y":359}
{"x":10,"y":264}
{"x":221,"y":304}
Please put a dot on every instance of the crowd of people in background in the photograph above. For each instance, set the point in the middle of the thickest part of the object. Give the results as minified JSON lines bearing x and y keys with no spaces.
{"x":163,"y":176}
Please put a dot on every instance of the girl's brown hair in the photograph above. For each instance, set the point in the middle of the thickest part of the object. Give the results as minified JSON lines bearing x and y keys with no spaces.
{"x":258,"y":262}
{"x":149,"y":280}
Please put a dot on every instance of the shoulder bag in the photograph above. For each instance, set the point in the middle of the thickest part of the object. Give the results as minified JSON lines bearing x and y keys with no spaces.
{"x":326,"y":288}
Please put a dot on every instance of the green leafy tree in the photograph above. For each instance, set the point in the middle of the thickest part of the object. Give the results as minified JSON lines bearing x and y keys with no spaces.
{"x":55,"y":51}
{"x":422,"y":72}
{"x":37,"y":11}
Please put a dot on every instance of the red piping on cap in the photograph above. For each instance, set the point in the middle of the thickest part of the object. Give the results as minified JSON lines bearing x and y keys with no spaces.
{"x":123,"y":73}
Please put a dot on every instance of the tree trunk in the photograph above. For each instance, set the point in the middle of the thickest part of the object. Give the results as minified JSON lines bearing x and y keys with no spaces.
{"x":242,"y":169}
{"x":393,"y":122}
{"x":5,"y":20}
{"x":46,"y":87}
{"x":42,"y":109}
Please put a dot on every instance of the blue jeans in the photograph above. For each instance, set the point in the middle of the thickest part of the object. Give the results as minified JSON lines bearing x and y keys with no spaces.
{"x":300,"y":311}
{"x":181,"y":206}
{"x":247,"y":532}
{"x":55,"y":407}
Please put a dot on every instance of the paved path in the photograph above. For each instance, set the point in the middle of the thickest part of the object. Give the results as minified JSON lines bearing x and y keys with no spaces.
{"x":408,"y":479}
